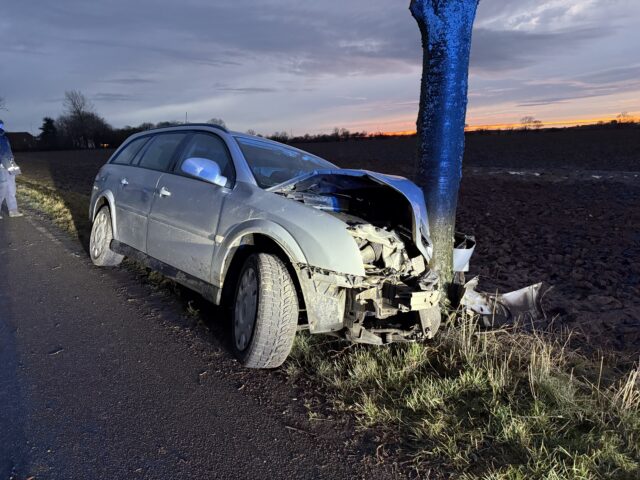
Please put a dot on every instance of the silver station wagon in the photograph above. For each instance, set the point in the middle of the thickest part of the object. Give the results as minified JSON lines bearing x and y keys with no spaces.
{"x":288,"y":239}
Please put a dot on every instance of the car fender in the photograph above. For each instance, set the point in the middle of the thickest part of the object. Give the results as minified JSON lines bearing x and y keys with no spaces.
{"x":108,"y":196}
{"x":226,"y":247}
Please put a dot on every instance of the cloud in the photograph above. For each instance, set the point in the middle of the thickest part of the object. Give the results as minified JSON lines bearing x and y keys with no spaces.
{"x":130,"y":81}
{"x":246,"y":89}
{"x":617,"y":74}
{"x":503,"y":50}
{"x":160,"y":59}
{"x":112,"y":97}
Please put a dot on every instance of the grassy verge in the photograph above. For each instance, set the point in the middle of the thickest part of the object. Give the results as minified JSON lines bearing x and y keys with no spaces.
{"x":497,"y":405}
{"x":68,"y":210}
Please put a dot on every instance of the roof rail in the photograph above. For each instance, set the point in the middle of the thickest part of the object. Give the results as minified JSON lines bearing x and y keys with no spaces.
{"x":213,"y":125}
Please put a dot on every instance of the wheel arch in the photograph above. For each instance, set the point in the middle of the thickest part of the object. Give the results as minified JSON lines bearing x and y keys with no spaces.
{"x":238,"y":247}
{"x":106,"y":198}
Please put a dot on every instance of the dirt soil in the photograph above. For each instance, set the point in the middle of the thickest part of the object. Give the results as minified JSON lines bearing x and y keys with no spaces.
{"x":562,"y":207}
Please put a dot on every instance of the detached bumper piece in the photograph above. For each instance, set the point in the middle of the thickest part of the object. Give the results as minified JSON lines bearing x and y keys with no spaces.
{"x":495,"y":310}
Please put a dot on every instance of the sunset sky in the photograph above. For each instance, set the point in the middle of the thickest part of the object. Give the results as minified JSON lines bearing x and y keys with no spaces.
{"x":303,"y":66}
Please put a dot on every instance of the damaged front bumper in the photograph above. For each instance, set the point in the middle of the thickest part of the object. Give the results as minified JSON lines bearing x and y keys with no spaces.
{"x":354,"y":308}
{"x":366,"y":309}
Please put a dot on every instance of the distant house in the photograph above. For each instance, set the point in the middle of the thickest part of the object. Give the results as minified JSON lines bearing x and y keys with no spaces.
{"x":21,"y":141}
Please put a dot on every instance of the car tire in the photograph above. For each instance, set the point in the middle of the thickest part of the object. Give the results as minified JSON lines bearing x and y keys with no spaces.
{"x":265,"y":312}
{"x":100,"y":241}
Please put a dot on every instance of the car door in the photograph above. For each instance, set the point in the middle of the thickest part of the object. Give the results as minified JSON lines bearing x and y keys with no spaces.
{"x":137,"y":185}
{"x":185,"y":211}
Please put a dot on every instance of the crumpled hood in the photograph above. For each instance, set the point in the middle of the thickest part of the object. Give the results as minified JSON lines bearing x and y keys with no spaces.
{"x":464,"y":245}
{"x":341,"y":177}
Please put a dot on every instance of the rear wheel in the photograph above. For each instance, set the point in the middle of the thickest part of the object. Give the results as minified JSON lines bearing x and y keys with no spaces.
{"x":100,"y":241}
{"x":265,"y":312}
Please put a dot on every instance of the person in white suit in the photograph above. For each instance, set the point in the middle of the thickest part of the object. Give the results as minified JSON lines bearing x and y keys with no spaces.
{"x":8,"y":172}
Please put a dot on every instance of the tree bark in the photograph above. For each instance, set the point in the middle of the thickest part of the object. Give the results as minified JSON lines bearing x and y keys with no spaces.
{"x":446,"y":27}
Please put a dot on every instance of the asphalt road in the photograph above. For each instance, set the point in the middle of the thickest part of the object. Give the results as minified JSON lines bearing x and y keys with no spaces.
{"x":99,"y":380}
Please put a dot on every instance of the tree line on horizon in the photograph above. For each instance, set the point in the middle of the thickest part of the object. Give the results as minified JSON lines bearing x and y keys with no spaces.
{"x":81,"y":127}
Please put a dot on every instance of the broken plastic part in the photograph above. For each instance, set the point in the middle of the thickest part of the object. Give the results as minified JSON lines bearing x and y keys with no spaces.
{"x":464,"y":245}
{"x":499,"y":309}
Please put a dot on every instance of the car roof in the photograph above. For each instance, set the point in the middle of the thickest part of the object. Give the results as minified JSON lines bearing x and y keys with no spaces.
{"x":186,"y":126}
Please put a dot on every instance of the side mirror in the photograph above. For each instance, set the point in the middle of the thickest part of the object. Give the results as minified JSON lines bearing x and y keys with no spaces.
{"x":204,"y":169}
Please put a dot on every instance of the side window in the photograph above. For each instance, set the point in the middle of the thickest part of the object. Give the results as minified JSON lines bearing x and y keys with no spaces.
{"x":211,"y":147}
{"x":128,"y":152}
{"x":160,"y":151}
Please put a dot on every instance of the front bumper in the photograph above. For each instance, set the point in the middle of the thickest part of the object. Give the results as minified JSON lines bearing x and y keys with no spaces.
{"x":353,"y":308}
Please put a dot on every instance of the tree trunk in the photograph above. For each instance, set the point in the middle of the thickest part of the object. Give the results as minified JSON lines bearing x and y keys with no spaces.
{"x":446,"y":27}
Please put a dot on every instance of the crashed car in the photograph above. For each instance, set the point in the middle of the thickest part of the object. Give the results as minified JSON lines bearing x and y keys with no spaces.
{"x":287,"y":239}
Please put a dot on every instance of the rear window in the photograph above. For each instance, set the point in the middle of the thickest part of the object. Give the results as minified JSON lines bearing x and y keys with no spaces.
{"x":159,"y":153}
{"x":127,"y":153}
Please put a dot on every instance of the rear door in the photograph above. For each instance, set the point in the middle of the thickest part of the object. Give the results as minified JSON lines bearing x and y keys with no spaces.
{"x":137,"y":185}
{"x":185,"y":212}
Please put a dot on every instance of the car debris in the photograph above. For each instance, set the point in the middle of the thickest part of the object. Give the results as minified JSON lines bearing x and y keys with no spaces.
{"x":495,"y":310}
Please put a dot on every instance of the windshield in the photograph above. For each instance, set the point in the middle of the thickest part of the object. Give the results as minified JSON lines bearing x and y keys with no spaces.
{"x":272,"y":164}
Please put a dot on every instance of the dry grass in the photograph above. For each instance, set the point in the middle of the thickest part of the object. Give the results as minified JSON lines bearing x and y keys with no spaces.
{"x":63,"y":207}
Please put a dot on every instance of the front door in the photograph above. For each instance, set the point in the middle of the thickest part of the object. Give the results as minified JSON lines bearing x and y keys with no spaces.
{"x":185,"y":212}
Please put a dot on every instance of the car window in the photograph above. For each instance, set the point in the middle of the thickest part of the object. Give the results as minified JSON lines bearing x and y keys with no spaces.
{"x":272,"y":164}
{"x":211,"y":147}
{"x":159,"y":153}
{"x":127,"y":153}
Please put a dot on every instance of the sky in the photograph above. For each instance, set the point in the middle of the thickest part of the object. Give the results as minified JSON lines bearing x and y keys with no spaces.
{"x":309,"y":66}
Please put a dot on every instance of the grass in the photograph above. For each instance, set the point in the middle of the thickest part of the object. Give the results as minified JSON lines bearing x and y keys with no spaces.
{"x":471,"y":404}
{"x":65,"y":208}
{"x":497,"y":404}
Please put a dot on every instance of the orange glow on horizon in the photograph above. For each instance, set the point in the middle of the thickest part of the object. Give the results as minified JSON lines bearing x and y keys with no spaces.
{"x":514,"y":126}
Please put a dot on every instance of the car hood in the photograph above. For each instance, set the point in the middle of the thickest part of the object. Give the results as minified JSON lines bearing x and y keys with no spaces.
{"x":342,"y":178}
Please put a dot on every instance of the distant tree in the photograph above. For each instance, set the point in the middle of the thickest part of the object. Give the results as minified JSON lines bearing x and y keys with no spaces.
{"x":145,"y":126}
{"x":3,"y":105}
{"x":217,"y":121}
{"x":251,"y":131}
{"x":624,"y":117}
{"x":48,"y":138}
{"x":80,"y":126}
{"x":280,"y":137}
{"x":446,"y":27}
{"x":76,"y":103}
{"x":530,"y":123}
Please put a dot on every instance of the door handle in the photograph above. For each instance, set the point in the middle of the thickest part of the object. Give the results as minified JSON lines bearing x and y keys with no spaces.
{"x":164,"y":192}
{"x":124,"y":182}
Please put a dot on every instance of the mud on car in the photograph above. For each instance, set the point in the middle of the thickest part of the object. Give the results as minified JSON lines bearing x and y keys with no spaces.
{"x":288,"y":239}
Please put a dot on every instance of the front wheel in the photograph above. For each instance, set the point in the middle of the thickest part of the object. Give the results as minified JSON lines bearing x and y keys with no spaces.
{"x":100,"y":241}
{"x":265,"y":312}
